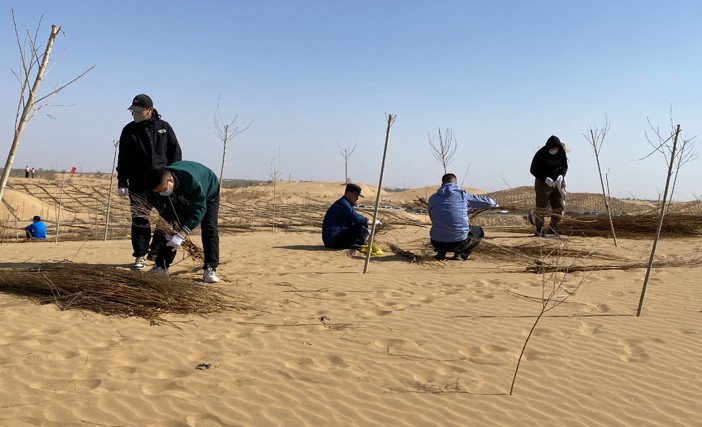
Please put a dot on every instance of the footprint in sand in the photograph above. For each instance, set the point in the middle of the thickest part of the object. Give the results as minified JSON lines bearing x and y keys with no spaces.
{"x":172,"y":388}
{"x":66,"y":385}
{"x":587,"y":329}
{"x":321,"y":362}
{"x":204,"y":421}
{"x":633,"y":351}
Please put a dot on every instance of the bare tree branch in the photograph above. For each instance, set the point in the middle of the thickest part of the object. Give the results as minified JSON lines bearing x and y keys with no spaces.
{"x":444,"y":150}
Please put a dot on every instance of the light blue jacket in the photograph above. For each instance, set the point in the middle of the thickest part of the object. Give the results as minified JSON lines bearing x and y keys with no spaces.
{"x":448,"y":211}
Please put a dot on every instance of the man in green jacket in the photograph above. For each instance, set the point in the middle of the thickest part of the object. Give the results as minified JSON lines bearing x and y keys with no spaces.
{"x":187,"y":194}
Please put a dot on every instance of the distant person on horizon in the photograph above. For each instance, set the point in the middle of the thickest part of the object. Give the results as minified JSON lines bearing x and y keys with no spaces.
{"x":34,"y":172}
{"x":187,"y":195}
{"x":26,"y":171}
{"x":549,"y":167}
{"x":145,"y":142}
{"x":448,"y":210}
{"x":343,"y":227}
{"x":36,"y":230}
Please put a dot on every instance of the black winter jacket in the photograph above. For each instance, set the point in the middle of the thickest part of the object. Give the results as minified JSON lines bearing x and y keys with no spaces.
{"x":545,"y":165}
{"x":143,"y":145}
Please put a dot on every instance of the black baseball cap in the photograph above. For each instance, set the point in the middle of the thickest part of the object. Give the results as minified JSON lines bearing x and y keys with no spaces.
{"x":354,"y":189}
{"x":141,"y":101}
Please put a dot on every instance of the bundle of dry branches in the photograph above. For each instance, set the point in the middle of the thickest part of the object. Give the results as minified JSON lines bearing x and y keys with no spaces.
{"x":143,"y":208}
{"x":633,"y":226}
{"x":540,"y":266}
{"x":111,"y":291}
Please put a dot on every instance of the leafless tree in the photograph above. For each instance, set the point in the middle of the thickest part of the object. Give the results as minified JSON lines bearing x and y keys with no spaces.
{"x":668,"y":146}
{"x":346,"y":153}
{"x":274,"y":174}
{"x":226,"y":133}
{"x":32,"y":60}
{"x":596,"y":136}
{"x":444,"y":150}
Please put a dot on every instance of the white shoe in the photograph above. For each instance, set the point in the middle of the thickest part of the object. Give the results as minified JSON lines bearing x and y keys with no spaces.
{"x":210,"y":275}
{"x":139,"y":263}
{"x":158,"y":270}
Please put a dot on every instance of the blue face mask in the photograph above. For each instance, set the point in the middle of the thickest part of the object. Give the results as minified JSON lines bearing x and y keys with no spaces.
{"x":553,"y":151}
{"x":166,"y":192}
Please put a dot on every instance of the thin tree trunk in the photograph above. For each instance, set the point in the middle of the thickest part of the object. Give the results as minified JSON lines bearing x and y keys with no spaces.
{"x":109,"y":195}
{"x":58,"y":215}
{"x":24,"y":117}
{"x":661,"y":215}
{"x":605,"y":193}
{"x":369,"y":249}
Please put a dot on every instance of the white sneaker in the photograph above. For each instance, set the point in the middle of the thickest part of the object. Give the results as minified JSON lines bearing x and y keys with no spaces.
{"x":139,"y":263}
{"x":210,"y":276}
{"x":158,"y":270}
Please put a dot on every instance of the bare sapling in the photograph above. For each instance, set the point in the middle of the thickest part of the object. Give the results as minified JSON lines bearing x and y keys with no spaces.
{"x":445,"y":149}
{"x":669,"y":146}
{"x":226,"y":133}
{"x":554,"y":292}
{"x":390,"y":119}
{"x":109,"y":193}
{"x":274,"y":175}
{"x":30,"y":101}
{"x":595,"y":136}
{"x":346,"y":152}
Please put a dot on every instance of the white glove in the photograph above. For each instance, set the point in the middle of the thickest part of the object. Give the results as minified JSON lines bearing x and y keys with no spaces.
{"x":377,"y":223}
{"x":497,"y":205}
{"x":549,"y":181}
{"x":559,"y":179}
{"x":175,"y":241}
{"x":123,"y":191}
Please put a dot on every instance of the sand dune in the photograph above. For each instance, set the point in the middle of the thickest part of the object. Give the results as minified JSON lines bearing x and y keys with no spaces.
{"x":431,"y":344}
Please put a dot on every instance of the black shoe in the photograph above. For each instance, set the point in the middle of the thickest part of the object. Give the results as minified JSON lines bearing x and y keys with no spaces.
{"x":355,"y":246}
{"x":460,"y":257}
{"x":553,"y":230}
{"x":440,"y":256}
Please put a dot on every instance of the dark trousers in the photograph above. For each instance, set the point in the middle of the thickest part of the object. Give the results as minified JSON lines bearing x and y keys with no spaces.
{"x":210,"y":237}
{"x":354,"y":235}
{"x":463,"y":247}
{"x":141,"y":227}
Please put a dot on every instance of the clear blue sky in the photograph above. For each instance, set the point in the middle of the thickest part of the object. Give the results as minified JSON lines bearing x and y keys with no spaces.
{"x":316,"y":75}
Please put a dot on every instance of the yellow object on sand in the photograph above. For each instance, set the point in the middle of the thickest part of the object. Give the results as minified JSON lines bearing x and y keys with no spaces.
{"x":374,"y":251}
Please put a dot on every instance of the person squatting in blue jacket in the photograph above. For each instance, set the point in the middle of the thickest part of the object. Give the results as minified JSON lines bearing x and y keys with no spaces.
{"x":448,"y":211}
{"x":343,"y":227}
{"x":36,"y":230}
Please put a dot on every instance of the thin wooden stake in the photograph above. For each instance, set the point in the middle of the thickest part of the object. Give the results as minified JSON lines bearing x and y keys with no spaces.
{"x":391,"y":119}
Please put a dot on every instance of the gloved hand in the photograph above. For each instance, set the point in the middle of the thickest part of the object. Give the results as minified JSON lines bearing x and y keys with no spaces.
{"x":497,"y":205}
{"x":549,"y":181}
{"x":123,"y":191}
{"x":175,"y":241}
{"x":559,"y":180}
{"x":377,"y":223}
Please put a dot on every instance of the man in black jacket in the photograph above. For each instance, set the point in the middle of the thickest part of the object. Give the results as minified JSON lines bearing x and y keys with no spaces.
{"x":549,"y":167}
{"x":145,"y":142}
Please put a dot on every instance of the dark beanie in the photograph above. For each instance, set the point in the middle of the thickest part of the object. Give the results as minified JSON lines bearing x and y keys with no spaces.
{"x":553,"y":141}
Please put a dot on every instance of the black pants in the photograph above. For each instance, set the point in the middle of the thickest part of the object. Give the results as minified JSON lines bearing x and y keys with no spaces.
{"x":354,"y":235}
{"x":462,"y":247}
{"x":210,"y":236}
{"x":141,"y":227}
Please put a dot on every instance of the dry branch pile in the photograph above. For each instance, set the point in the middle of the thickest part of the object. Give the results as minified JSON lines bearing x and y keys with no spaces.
{"x":111,"y":291}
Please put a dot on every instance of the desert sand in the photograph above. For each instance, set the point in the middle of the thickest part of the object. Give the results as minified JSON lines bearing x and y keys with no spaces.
{"x":407,"y":344}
